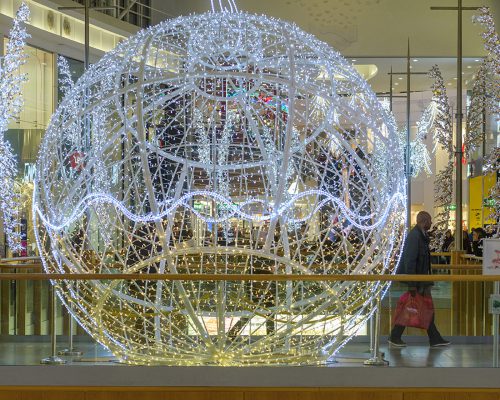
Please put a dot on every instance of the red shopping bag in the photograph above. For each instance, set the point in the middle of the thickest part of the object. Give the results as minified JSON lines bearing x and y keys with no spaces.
{"x":414,"y":311}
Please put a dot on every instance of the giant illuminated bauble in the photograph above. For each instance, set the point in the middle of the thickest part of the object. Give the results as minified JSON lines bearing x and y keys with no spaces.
{"x":220,"y":143}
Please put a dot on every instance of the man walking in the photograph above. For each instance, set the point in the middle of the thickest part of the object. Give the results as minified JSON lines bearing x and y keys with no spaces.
{"x":416,"y":259}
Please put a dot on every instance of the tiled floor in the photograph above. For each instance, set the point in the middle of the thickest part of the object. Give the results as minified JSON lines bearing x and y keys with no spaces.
{"x":421,"y":355}
{"x":352,"y":355}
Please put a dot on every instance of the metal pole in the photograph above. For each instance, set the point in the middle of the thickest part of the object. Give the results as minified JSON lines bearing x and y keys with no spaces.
{"x":53,"y":359}
{"x":87,"y":34}
{"x":408,"y":151}
{"x":70,"y":350}
{"x":372,"y":328}
{"x":390,"y":91}
{"x":377,"y":358}
{"x":496,"y":290}
{"x":458,"y":145}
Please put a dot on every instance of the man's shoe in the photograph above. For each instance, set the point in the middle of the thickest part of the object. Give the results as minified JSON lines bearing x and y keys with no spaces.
{"x":441,"y":343}
{"x":396,"y":342}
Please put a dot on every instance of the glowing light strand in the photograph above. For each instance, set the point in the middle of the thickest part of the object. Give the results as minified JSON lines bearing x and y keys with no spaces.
{"x":235,"y":209}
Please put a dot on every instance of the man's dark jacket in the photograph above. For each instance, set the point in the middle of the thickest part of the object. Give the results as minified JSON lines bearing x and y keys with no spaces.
{"x":416,"y":257}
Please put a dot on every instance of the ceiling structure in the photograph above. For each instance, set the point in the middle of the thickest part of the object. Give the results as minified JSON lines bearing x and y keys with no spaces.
{"x":376,"y":32}
{"x":370,"y":28}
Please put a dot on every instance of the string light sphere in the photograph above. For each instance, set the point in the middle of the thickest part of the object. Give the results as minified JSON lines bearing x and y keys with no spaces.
{"x":220,"y":143}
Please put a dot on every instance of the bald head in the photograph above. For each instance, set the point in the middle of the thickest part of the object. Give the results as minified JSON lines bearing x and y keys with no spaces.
{"x":424,"y":220}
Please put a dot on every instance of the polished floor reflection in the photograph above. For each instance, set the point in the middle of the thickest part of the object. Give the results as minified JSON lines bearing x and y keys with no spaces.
{"x":416,"y":354}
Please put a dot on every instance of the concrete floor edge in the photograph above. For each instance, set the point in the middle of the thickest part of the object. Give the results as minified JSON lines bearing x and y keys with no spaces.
{"x":140,"y":376}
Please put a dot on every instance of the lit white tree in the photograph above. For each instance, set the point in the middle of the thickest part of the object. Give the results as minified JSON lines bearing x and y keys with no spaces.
{"x":443,"y":136}
{"x":490,"y":38}
{"x":487,"y":86}
{"x":492,"y":165}
{"x":66,"y":82}
{"x":484,"y":99}
{"x":11,"y":103}
{"x":419,"y":154}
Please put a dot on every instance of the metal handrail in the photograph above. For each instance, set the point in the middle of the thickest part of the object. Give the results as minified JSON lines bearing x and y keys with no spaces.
{"x":434,"y":266}
{"x":17,"y":266}
{"x":18,"y":259}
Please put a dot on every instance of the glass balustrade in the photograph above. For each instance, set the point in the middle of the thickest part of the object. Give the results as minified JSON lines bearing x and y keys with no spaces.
{"x":286,"y":318}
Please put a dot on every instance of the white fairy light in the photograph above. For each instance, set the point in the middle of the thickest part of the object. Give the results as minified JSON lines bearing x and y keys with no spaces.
{"x":232,"y":156}
{"x":11,"y":103}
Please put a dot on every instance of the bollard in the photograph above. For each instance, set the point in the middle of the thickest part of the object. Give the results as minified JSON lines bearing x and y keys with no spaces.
{"x":377,"y":359}
{"x":53,"y":359}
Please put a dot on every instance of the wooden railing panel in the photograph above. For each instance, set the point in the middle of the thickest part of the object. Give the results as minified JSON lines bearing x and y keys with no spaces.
{"x":237,"y":393}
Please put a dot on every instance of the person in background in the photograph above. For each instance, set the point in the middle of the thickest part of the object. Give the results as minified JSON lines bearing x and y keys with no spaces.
{"x":416,"y":259}
{"x":478,"y":234}
{"x":466,"y":242}
{"x":448,"y":241}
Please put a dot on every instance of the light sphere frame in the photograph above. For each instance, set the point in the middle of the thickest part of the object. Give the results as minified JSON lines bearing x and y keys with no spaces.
{"x":220,"y":143}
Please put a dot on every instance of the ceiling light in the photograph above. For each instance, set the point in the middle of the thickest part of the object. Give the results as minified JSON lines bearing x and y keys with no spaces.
{"x":396,"y":84}
{"x":415,"y":60}
{"x":468,"y":66}
{"x":477,"y":60}
{"x":449,"y":83}
{"x":400,"y":78}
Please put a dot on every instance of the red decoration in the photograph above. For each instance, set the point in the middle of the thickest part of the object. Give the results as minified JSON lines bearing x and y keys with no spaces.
{"x":76,"y":160}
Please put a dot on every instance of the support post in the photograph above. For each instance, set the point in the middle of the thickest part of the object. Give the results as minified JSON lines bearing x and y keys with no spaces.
{"x":458,"y":145}
{"x":390,"y":91}
{"x":53,"y":359}
{"x":70,"y":350}
{"x":408,"y":148}
{"x":87,"y":34}
{"x":377,"y":359}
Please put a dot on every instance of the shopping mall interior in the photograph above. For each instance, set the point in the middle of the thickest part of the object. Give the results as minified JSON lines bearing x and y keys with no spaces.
{"x":230,"y":199}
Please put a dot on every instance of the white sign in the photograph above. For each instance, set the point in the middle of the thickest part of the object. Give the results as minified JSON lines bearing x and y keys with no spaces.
{"x":29,"y":172}
{"x":491,"y":256}
{"x":494,"y":304}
